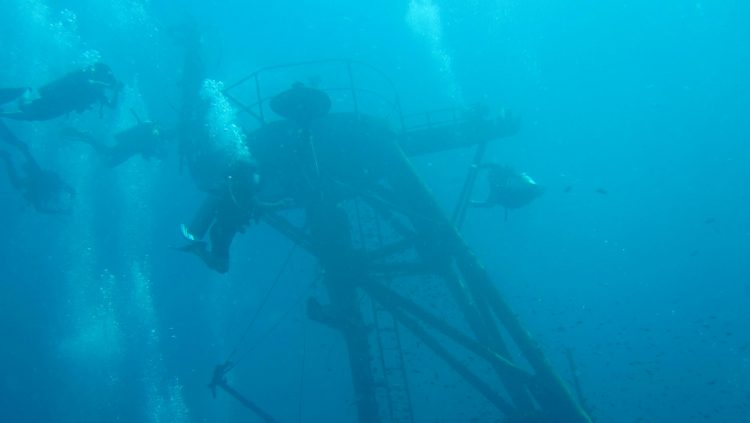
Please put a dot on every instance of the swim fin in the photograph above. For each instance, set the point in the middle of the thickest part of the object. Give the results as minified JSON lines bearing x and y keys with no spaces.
{"x":186,"y":233}
{"x":9,"y":94}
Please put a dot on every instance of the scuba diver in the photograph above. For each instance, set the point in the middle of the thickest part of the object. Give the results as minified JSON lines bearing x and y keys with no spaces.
{"x":508,"y":188}
{"x":145,"y":138}
{"x":226,"y":212}
{"x":77,"y":91}
{"x":43,"y":189}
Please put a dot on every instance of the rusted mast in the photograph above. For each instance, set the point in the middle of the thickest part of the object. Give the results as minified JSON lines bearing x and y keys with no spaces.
{"x":474,"y":290}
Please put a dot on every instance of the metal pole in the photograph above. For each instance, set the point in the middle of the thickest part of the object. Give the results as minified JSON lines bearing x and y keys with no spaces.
{"x":331,"y":238}
{"x":219,"y":380}
{"x":391,"y":301}
{"x":246,"y":402}
{"x":499,"y":402}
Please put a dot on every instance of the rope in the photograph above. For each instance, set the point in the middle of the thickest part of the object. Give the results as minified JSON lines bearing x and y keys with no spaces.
{"x":263,"y":303}
{"x":276,"y":324}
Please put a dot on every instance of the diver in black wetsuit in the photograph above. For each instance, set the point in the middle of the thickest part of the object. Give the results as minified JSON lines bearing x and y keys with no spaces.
{"x":43,"y":189}
{"x":508,"y":188}
{"x":226,"y":212}
{"x":77,"y":91}
{"x":145,"y":138}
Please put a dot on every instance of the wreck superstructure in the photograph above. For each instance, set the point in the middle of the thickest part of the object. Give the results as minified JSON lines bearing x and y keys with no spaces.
{"x":374,"y":227}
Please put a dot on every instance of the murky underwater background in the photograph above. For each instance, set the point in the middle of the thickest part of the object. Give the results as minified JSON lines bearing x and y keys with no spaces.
{"x":637,"y":257}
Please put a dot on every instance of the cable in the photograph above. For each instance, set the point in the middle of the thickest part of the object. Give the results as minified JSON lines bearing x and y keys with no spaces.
{"x":266,"y":297}
{"x":273,"y":327}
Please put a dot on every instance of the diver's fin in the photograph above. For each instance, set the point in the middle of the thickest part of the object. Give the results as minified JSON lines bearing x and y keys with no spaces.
{"x":186,"y":233}
{"x":9,"y":94}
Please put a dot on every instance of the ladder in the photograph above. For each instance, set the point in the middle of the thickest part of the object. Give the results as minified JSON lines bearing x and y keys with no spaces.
{"x":395,"y":406}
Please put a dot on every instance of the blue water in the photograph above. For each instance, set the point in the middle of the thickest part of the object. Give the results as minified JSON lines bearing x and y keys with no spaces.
{"x":637,"y":257}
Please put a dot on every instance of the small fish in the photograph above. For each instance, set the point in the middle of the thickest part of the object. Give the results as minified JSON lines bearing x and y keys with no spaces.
{"x":602,"y":191}
{"x":709,"y":220}
{"x":568,"y":189}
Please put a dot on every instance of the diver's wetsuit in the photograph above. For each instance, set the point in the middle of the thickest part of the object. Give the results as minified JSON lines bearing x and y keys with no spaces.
{"x":77,"y":91}
{"x":10,"y":138}
{"x":43,"y":189}
{"x":508,"y":188}
{"x":145,"y":139}
{"x":225,"y":213}
{"x":222,"y":218}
